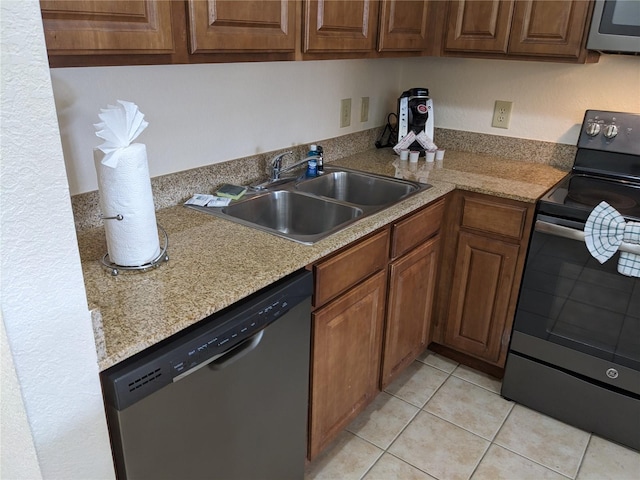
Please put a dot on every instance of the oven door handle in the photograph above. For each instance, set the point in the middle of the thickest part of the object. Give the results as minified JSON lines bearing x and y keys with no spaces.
{"x":574,"y":234}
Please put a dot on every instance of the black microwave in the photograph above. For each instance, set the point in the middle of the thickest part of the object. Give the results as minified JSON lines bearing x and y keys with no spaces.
{"x":615,"y":27}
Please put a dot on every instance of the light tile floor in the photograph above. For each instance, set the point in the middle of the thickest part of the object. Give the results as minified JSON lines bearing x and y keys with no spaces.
{"x":444,"y":421}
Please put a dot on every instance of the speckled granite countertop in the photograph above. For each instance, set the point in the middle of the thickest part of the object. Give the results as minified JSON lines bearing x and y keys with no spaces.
{"x":214,"y":263}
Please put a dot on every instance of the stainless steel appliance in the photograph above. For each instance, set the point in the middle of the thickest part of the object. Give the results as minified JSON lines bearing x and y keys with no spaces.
{"x":225,"y":399}
{"x":575,"y":348}
{"x":415,"y":114}
{"x":615,"y":27}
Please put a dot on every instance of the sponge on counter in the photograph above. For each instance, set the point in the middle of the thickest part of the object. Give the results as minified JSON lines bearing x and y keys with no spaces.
{"x":231,"y":191}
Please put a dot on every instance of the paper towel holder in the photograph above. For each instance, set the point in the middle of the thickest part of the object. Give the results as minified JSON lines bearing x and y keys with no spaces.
{"x":116,"y":217}
{"x":159,"y":260}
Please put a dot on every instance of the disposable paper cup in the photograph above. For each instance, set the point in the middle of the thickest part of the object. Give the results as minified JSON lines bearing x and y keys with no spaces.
{"x":404,"y":154}
{"x":413,"y":156}
{"x":439,"y":154}
{"x":431,"y":155}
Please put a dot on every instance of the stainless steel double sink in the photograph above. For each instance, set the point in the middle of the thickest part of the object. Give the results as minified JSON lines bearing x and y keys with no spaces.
{"x":307,"y":210}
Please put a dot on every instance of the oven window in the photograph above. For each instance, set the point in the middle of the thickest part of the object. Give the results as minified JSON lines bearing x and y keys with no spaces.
{"x":569,"y":298}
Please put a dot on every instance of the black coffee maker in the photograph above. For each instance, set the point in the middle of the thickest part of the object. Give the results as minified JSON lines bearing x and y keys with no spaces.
{"x":415,"y":114}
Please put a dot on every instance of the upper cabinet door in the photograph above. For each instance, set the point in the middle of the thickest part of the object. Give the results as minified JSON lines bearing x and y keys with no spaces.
{"x":88,"y":27}
{"x":404,"y":25}
{"x":553,"y":28}
{"x":242,"y":26}
{"x":340,"y":25}
{"x":479,"y":25}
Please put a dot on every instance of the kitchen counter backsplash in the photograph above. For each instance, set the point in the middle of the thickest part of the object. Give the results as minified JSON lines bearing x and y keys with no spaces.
{"x":176,"y":188}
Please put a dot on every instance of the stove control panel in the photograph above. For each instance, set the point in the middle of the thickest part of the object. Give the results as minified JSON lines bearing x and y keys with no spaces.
{"x":615,"y":132}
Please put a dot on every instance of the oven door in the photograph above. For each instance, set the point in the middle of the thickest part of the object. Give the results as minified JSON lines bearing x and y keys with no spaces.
{"x":575,"y":313}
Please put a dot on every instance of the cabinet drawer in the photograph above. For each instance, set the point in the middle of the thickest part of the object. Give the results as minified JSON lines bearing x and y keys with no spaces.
{"x":342,"y":271}
{"x":502,"y":218}
{"x":415,"y":229}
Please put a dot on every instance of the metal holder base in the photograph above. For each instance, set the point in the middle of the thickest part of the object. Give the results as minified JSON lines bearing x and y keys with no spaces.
{"x":160,"y":259}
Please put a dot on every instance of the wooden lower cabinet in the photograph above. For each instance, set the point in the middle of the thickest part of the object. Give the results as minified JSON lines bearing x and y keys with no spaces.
{"x":346,"y":348}
{"x":481,"y":268}
{"x":358,"y":344}
{"x":483,"y":276}
{"x":412,"y":281}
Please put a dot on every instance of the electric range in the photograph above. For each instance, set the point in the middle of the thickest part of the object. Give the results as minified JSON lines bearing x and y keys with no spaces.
{"x":574,"y":352}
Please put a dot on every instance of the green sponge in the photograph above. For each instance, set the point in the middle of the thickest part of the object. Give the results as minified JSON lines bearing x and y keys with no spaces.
{"x":231,"y":191}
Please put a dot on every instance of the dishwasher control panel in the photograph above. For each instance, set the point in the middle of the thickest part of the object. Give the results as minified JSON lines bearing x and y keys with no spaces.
{"x":210,"y":340}
{"x":212,"y":345}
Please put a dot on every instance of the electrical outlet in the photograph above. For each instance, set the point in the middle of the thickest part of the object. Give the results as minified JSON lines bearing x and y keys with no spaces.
{"x":345,"y":112}
{"x":364,"y":109}
{"x":502,"y":114}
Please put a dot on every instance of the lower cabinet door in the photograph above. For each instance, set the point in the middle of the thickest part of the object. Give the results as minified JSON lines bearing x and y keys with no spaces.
{"x":346,"y":348}
{"x":411,"y":289}
{"x":480,"y":295}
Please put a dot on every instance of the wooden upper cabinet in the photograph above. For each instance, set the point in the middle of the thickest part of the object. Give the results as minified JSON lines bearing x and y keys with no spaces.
{"x":404,"y":25}
{"x":479,"y":26}
{"x":89,"y":27}
{"x":548,"y":28}
{"x":241,"y":26}
{"x":340,"y":25}
{"x":524,"y":29}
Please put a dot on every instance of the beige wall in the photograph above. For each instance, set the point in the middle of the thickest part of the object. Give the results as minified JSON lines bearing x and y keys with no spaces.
{"x":549,"y":99}
{"x":204,"y":114}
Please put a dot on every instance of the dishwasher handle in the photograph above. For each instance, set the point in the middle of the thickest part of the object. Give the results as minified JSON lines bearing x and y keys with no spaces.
{"x":222,"y":360}
{"x":237,"y":352}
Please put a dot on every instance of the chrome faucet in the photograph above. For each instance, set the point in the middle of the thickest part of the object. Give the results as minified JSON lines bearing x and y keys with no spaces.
{"x":276,"y":165}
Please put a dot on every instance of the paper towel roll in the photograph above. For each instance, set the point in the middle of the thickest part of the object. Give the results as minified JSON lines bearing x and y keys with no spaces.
{"x":126,"y":190}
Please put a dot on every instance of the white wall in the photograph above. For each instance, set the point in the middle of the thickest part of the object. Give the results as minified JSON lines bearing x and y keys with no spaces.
{"x":204,"y":114}
{"x":18,"y":460}
{"x":549,"y":99}
{"x":43,"y":301}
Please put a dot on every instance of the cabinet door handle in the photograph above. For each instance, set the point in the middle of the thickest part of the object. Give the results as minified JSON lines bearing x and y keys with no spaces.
{"x":573,"y":234}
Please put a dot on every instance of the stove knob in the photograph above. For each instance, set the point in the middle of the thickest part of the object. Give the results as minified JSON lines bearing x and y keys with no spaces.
{"x":593,"y":129}
{"x":610,"y":131}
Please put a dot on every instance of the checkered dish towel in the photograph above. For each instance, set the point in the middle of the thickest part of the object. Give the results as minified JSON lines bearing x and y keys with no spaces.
{"x":605,"y":231}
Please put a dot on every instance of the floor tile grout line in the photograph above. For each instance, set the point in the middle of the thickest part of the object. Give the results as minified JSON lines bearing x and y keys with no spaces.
{"x":413,"y":417}
{"x":493,"y":442}
{"x":373,"y":464}
{"x":547,"y":467}
{"x":490,"y":442}
{"x":480,"y":460}
{"x":584,"y":454}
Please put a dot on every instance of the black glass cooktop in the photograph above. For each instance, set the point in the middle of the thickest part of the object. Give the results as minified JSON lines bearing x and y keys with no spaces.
{"x":577,"y":195}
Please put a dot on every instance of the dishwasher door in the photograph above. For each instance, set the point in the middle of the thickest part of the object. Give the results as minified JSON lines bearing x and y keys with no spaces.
{"x":240,"y":416}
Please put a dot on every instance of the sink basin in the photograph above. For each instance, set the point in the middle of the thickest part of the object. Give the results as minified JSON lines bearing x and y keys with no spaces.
{"x":358,"y":188}
{"x":308,"y":210}
{"x":297,"y":216}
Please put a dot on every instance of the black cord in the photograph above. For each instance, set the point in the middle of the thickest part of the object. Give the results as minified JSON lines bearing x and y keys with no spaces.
{"x":391,"y":130}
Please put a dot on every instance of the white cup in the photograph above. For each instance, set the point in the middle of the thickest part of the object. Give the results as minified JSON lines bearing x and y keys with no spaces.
{"x":439,"y":154}
{"x":431,"y":155}
{"x":413,"y":156}
{"x":404,"y":154}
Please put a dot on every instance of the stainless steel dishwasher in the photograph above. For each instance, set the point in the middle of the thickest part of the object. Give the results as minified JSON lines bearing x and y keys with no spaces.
{"x":224,"y":399}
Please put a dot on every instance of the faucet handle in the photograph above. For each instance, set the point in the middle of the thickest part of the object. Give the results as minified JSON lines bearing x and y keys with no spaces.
{"x":277,"y":160}
{"x":276,"y":165}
